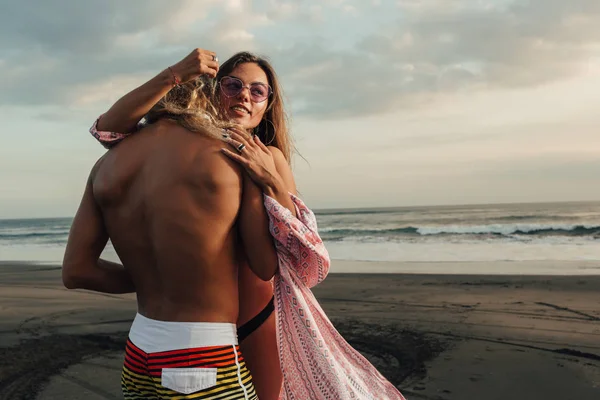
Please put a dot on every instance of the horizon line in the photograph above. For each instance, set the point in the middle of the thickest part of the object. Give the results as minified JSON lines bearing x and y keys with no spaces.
{"x":322,"y":210}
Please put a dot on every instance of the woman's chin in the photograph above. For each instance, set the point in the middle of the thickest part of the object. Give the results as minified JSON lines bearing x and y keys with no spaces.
{"x":243,"y":122}
{"x":239,"y":120}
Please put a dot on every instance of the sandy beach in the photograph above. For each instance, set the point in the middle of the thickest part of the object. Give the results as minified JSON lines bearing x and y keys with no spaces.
{"x":441,"y":337}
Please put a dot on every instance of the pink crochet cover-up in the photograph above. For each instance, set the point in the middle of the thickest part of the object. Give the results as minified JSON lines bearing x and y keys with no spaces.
{"x":317,"y":363}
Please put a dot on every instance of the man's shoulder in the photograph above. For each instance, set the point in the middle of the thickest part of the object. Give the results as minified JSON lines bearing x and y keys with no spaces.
{"x":98,"y":165}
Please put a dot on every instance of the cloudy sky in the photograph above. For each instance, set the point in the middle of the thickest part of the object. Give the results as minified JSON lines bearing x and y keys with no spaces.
{"x":393,"y":103}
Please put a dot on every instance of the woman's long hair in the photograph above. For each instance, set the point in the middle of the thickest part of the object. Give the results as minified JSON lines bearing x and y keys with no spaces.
{"x":273,"y":129}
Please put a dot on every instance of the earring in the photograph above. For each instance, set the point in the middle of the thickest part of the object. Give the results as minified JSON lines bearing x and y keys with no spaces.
{"x":270,"y":136}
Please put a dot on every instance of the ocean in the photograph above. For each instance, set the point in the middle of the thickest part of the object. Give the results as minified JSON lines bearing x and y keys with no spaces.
{"x":475,"y":235}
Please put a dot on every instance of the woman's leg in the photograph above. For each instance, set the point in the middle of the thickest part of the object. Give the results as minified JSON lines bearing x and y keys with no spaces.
{"x":260,"y":346}
{"x":262,"y":359}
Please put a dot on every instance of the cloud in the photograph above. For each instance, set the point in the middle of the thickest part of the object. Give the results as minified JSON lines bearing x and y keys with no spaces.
{"x":398,"y":54}
{"x":52,"y":52}
{"x":444,"y":46}
{"x":67,"y":26}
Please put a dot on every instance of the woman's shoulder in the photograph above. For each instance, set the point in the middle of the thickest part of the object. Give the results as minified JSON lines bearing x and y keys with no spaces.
{"x":278,"y":155}
{"x":283,"y":168}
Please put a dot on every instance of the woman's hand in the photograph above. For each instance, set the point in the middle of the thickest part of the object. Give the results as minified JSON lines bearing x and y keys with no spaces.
{"x":198,"y":62}
{"x":254,"y":156}
{"x":125,"y":114}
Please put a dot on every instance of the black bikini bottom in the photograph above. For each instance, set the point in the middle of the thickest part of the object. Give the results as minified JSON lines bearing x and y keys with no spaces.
{"x":246,"y":330}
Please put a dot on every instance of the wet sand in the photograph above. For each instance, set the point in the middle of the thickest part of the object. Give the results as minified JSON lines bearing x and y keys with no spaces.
{"x":440,"y":337}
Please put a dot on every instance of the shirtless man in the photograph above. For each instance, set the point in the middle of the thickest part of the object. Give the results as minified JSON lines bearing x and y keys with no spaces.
{"x":170,"y":201}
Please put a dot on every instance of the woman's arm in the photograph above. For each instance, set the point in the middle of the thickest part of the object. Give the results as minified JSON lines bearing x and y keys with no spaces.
{"x":253,"y":226}
{"x":282,"y":185}
{"x":254,"y":220}
{"x":125,"y":114}
{"x":274,"y":224}
{"x":268,"y":173}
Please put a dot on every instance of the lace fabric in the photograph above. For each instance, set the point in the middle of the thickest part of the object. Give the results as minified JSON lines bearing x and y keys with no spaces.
{"x":316,"y":361}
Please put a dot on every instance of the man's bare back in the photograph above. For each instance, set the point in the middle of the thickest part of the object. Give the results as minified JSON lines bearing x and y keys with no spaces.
{"x":169,"y":201}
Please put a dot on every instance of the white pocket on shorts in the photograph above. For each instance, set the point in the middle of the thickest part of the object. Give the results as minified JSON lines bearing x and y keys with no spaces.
{"x":188,"y":380}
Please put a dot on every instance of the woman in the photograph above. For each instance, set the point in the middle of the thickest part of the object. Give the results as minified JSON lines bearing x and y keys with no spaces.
{"x":300,"y":349}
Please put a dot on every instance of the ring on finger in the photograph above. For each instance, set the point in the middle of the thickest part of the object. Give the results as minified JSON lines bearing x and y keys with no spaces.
{"x":215,"y":58}
{"x":241,"y":147}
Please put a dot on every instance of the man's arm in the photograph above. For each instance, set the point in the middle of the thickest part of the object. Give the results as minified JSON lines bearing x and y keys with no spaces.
{"x":82,"y":266}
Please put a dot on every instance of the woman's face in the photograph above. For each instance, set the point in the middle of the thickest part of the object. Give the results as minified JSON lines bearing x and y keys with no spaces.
{"x":242,"y":107}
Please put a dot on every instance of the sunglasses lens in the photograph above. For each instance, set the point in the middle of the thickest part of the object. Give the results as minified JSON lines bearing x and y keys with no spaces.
{"x":259,"y":92}
{"x":231,"y":86}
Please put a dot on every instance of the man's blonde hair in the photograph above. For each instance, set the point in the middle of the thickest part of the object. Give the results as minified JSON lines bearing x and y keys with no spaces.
{"x":191,"y":105}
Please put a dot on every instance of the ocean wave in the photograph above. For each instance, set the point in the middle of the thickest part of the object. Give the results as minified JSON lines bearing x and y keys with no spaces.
{"x":58,"y":238}
{"x":501,"y":230}
{"x":355,"y":212}
{"x":535,"y":217}
{"x":337,"y":233}
{"x":515,"y":229}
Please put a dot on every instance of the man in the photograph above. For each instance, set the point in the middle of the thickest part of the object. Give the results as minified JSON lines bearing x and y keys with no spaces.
{"x":169,"y":201}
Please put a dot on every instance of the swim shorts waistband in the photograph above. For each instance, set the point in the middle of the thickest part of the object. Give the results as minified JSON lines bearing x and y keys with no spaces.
{"x":153,"y":336}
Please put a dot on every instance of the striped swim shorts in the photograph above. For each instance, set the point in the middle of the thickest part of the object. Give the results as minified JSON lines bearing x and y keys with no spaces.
{"x":184,"y":360}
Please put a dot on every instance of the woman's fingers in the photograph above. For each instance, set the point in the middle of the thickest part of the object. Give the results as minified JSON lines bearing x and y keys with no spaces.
{"x":242,"y":138}
{"x":198,"y":62}
{"x":256,"y":158}
{"x":235,"y":157}
{"x":260,"y":144}
{"x":242,"y":143}
{"x":238,"y":130}
{"x":236,"y":138}
{"x":239,"y":146}
{"x":253,"y":141}
{"x":211,"y":69}
{"x":209,"y":64}
{"x":212,"y":55}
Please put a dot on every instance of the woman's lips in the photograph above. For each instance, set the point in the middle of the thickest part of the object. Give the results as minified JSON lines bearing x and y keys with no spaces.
{"x":239,"y":110}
